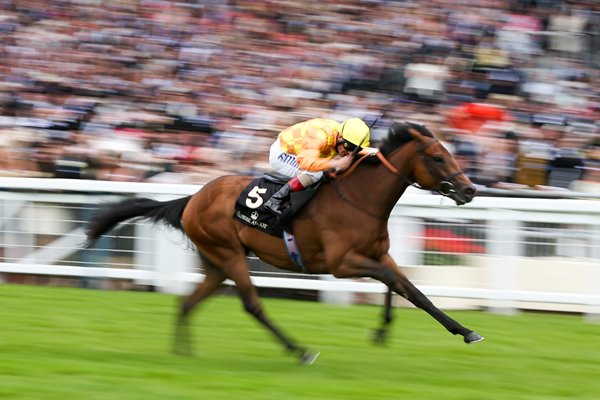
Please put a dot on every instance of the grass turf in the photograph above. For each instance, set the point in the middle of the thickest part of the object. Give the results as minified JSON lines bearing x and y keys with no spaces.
{"x":58,"y":343}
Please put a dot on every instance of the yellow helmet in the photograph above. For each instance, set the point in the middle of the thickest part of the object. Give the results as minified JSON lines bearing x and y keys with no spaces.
{"x":355,"y":133}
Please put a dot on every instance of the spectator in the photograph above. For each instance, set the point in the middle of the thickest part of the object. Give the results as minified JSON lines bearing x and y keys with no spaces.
{"x":199,"y":82}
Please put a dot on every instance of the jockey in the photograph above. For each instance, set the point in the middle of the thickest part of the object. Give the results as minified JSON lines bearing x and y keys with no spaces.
{"x":303,"y":151}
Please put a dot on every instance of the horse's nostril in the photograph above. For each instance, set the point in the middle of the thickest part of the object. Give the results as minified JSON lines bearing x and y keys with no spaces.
{"x":470,"y":191}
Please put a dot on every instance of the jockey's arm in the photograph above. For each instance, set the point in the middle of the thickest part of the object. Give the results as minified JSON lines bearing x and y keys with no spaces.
{"x":309,"y":157}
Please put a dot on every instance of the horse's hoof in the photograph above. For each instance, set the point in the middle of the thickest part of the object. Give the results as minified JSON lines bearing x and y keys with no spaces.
{"x":185,"y":352}
{"x":183,"y":349}
{"x":473,"y":337}
{"x":308,"y":357}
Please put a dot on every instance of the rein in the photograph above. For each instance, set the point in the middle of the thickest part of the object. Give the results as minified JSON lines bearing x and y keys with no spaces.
{"x":347,"y":172}
{"x":350,"y":169}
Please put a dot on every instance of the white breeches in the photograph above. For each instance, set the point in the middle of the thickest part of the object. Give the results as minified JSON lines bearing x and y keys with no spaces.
{"x":287,"y":165}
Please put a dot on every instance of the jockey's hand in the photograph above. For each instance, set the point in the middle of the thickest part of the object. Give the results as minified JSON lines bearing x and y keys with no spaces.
{"x":339,"y":164}
{"x":371,"y":151}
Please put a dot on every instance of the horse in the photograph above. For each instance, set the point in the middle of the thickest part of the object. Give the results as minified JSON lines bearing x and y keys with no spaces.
{"x":342,"y":231}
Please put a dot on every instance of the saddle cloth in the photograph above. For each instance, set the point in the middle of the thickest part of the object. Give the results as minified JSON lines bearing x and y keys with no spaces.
{"x":250,"y":210}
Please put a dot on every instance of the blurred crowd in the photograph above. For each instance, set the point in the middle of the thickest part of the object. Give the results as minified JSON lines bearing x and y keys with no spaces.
{"x":182,"y":92}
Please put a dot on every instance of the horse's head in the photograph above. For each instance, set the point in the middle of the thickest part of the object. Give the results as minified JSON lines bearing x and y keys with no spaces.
{"x":435,"y":169}
{"x":432,"y":166}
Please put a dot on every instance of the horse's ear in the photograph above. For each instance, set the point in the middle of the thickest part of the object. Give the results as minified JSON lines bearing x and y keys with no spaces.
{"x":418,"y":136}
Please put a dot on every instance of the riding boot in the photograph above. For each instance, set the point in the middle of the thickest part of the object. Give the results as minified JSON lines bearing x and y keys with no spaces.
{"x":274,"y":203}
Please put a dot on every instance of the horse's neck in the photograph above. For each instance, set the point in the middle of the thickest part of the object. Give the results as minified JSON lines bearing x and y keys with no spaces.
{"x":379,"y":188}
{"x":390,"y":186}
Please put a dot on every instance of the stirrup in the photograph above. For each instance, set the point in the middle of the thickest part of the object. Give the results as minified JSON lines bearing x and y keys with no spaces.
{"x":273,"y":208}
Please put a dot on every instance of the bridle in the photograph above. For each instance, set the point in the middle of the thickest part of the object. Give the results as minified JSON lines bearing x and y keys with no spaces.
{"x":445,"y":186}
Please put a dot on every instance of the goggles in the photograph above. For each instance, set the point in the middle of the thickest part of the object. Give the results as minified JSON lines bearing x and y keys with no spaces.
{"x":349,"y":146}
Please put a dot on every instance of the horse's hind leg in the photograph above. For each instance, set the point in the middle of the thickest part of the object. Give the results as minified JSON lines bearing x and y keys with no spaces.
{"x":212,"y":281}
{"x":381,"y":332}
{"x":253,"y":305}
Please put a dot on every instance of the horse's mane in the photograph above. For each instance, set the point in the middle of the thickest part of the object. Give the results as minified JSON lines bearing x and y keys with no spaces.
{"x":398,"y":135}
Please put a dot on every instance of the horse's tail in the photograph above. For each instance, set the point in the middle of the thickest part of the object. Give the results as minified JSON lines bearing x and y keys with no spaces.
{"x":168,"y":212}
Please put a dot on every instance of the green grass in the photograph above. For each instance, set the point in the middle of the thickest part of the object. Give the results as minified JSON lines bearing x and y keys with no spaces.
{"x":64,"y":343}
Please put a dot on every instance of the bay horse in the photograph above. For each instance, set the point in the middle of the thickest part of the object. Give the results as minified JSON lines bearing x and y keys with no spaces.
{"x":342,"y":231}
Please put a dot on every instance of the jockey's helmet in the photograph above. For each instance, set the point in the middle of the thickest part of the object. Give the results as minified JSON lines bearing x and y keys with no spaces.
{"x":355,"y":133}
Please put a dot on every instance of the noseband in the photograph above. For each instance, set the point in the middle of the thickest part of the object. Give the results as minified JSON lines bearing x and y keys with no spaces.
{"x":445,"y":186}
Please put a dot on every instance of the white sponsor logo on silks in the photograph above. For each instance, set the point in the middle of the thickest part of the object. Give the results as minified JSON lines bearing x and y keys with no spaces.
{"x":288,"y":159}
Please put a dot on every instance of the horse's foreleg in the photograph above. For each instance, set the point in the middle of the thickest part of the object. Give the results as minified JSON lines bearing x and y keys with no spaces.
{"x":253,"y":306}
{"x":415,"y":296}
{"x":381,"y":332}
{"x":389,"y":273}
{"x":212,"y":281}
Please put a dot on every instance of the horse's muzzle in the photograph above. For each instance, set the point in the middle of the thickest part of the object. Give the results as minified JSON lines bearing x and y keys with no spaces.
{"x":465,"y":195}
{"x":461,"y":195}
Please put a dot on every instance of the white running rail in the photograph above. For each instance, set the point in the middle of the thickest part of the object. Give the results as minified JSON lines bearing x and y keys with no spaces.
{"x":496,"y":252}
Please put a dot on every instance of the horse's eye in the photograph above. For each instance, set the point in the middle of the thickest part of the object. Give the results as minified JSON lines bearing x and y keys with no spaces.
{"x":438,"y":159}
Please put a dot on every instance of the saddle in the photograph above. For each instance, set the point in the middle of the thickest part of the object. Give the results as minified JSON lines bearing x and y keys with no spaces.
{"x":250,"y":210}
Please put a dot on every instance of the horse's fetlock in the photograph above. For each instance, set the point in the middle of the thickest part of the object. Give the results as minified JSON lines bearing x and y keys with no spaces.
{"x":184,"y":309}
{"x":253,"y":309}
